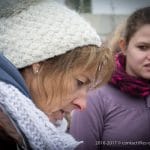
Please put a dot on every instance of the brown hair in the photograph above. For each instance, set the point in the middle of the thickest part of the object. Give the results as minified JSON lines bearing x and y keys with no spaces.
{"x":126,"y":29}
{"x":135,"y":21}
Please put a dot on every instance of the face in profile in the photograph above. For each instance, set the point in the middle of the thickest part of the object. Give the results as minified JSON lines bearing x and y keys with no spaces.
{"x":76,"y":97}
{"x":66,"y":92}
{"x":138,"y":53}
{"x":62,"y":82}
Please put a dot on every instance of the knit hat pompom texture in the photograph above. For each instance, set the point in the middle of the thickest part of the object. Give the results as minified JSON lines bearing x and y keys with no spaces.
{"x":34,"y":30}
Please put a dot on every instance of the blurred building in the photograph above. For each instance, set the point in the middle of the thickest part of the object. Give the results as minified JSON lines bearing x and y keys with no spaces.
{"x":105,"y":15}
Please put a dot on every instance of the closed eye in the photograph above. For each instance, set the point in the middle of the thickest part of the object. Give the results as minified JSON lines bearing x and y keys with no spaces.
{"x":83,"y":83}
{"x":80,"y":83}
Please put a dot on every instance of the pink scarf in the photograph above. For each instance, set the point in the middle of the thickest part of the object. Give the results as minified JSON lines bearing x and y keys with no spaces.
{"x":134,"y":86}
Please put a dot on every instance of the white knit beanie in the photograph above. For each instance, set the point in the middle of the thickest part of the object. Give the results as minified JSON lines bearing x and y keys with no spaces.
{"x":34,"y":30}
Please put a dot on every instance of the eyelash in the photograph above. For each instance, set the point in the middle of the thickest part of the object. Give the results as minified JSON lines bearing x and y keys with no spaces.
{"x":80,"y":83}
{"x":143,"y":47}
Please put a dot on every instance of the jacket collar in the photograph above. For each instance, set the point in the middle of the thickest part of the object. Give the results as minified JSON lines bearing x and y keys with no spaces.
{"x":10,"y":74}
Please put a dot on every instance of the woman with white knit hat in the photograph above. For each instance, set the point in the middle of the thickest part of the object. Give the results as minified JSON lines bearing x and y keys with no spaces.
{"x":50,"y":56}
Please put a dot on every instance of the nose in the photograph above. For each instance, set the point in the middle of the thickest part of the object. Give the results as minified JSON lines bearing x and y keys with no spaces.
{"x":80,"y":101}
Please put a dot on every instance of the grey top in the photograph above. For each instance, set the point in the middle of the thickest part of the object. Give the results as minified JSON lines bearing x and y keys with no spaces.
{"x":113,"y":120}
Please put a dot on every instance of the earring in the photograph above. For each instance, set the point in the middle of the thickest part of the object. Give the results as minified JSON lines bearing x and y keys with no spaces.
{"x":36,"y":71}
{"x":36,"y":68}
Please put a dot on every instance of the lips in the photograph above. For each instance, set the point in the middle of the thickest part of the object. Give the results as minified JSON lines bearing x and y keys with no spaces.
{"x":62,"y":111}
{"x":60,"y":115}
{"x":147,"y":65}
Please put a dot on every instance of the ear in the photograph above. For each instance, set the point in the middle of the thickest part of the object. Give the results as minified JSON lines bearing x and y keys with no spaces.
{"x":36,"y":68}
{"x":122,"y":45}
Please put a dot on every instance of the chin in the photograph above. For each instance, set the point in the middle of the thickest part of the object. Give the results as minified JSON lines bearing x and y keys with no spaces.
{"x":147,"y":77}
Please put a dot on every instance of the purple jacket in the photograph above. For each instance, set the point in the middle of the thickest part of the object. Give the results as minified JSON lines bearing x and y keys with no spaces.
{"x":113,"y":120}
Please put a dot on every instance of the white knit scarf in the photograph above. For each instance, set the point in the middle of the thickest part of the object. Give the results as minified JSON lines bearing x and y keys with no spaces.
{"x":40,"y":132}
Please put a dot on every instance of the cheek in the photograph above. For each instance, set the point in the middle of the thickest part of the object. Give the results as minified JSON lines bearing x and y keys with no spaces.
{"x":134,"y":55}
{"x":134,"y":60}
{"x":134,"y":63}
{"x":131,"y":55}
{"x":80,"y":94}
{"x":130,"y":60}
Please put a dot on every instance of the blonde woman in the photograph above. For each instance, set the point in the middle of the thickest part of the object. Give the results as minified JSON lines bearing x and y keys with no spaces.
{"x":50,"y":58}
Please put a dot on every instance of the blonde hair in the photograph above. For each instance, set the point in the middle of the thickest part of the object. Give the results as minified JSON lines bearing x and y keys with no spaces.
{"x":55,"y":73}
{"x":116,"y":36}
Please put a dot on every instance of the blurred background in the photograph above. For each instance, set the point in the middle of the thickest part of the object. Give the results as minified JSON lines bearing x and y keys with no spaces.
{"x":105,"y":15}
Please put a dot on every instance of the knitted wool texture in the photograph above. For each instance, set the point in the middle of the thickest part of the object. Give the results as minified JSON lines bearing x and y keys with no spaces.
{"x":34,"y":30}
{"x":41,"y":134}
